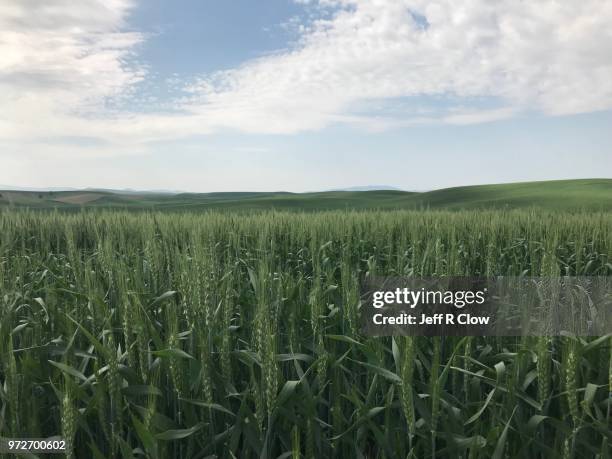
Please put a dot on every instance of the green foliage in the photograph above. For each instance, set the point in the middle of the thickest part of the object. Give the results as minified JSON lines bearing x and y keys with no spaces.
{"x":582,"y":194}
{"x":237,"y":335}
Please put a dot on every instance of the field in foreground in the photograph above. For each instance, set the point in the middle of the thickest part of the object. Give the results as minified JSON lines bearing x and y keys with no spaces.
{"x":156,"y":335}
{"x":591,"y":194}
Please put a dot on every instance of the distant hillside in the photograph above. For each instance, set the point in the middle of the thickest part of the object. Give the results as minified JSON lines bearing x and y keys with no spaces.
{"x":558,"y":194}
{"x":589,"y":194}
{"x":368,"y":188}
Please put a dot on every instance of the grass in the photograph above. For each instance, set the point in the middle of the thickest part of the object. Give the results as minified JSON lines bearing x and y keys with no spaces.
{"x":591,"y":194}
{"x":237,"y":335}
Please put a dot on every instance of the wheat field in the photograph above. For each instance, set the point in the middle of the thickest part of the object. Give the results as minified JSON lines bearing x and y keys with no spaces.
{"x":200,"y":335}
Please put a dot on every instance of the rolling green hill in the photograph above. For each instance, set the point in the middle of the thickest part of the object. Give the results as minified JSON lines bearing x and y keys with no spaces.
{"x":588,"y":194}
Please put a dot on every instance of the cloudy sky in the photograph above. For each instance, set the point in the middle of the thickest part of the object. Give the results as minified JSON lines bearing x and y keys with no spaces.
{"x":303,"y":94}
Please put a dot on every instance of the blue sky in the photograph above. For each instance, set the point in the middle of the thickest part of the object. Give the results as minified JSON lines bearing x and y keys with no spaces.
{"x":191,"y":37}
{"x":303,"y":95}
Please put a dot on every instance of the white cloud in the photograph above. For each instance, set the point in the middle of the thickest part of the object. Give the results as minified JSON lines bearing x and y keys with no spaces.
{"x":63,"y":61}
{"x":552,"y":57}
{"x":64,"y":55}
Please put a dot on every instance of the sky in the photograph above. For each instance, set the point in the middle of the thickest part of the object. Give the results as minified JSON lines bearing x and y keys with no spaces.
{"x":303,"y":95}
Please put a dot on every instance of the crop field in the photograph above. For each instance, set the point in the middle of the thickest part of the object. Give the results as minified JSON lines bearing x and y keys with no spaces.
{"x":198,"y":335}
